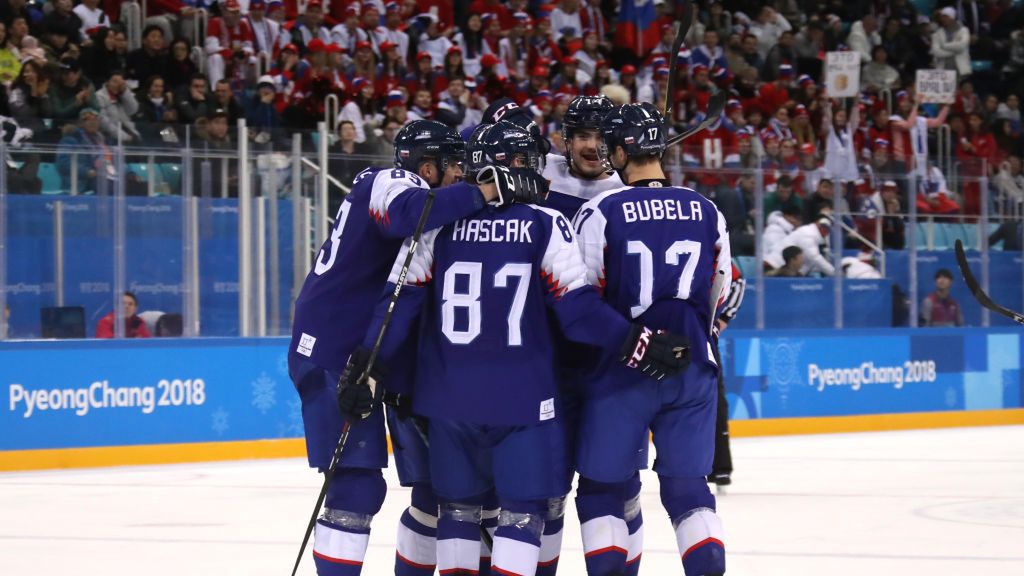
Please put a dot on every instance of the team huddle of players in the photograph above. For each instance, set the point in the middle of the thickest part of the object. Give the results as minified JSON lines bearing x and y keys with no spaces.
{"x":555,"y":312}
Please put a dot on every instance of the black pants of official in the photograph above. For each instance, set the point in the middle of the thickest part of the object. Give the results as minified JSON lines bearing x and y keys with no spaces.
{"x":722,"y":465}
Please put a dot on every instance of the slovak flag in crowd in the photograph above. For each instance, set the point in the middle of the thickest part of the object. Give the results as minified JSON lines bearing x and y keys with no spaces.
{"x":636,"y":25}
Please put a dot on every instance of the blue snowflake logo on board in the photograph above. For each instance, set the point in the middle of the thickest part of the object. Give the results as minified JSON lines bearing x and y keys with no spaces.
{"x":219,"y":421}
{"x":282,"y":364}
{"x":264,"y":393}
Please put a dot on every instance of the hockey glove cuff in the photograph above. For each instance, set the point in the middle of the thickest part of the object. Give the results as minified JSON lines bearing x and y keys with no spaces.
{"x":657,"y":354}
{"x":355,"y":398}
{"x":521,"y":185}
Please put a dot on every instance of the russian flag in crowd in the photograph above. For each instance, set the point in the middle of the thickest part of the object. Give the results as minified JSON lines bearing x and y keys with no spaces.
{"x":636,"y":26}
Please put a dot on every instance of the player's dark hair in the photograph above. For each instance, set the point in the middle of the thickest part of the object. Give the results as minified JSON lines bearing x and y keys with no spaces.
{"x":790,"y":253}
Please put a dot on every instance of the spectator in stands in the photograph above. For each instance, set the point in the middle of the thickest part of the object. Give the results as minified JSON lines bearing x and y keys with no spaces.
{"x":450,"y":109}
{"x":822,"y":201}
{"x":180,"y":67}
{"x":172,"y":15}
{"x":224,"y":99}
{"x":951,"y":44}
{"x":156,"y":111}
{"x":860,"y":267}
{"x":72,"y":93}
{"x":882,"y":167}
{"x":1008,"y":139}
{"x":716,"y":18}
{"x":1009,"y":182}
{"x":55,"y":45}
{"x":751,"y":57}
{"x":839,"y":137}
{"x":266,"y":32}
{"x":813,"y":240}
{"x":10,"y":64}
{"x":29,"y":100}
{"x":810,"y":47}
{"x":99,"y":60}
{"x":63,"y":21}
{"x":767,"y":29}
{"x":884,"y":204}
{"x":93,"y":18}
{"x":780,"y":224}
{"x":151,"y":59}
{"x":933,"y":196}
{"x":345,"y":162}
{"x":775,"y":94}
{"x":782,"y":53}
{"x":229,"y":41}
{"x":209,"y":176}
{"x":793,"y":264}
{"x":194,"y":102}
{"x":737,"y":206}
{"x":87,"y":146}
{"x":117,"y":106}
{"x":261,"y":115}
{"x":17,"y":30}
{"x":864,"y":37}
{"x":134,"y":327}
{"x":783,"y":196}
{"x":939,"y":309}
{"x":878,"y":75}
{"x":978,"y":154}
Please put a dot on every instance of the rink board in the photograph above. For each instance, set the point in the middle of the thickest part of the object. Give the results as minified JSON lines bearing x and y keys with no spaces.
{"x":102,"y":403}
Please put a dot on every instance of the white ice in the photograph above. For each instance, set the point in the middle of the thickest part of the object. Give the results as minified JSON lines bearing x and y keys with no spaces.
{"x":922,"y":502}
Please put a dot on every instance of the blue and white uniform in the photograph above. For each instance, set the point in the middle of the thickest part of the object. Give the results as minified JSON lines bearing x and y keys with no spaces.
{"x":655,"y":252}
{"x":332,"y":314}
{"x":484,"y":289}
{"x":567,"y":193}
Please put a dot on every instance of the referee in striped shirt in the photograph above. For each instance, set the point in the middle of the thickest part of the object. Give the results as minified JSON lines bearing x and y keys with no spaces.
{"x":721,"y":468}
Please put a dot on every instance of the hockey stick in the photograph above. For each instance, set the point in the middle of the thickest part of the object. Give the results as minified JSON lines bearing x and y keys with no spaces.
{"x":979,"y":294}
{"x":685,"y":21}
{"x":715,"y":107}
{"x":364,"y":377}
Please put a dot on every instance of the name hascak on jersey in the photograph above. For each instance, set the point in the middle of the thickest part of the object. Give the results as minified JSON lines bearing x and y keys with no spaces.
{"x":661,"y":209}
{"x":512,"y":230}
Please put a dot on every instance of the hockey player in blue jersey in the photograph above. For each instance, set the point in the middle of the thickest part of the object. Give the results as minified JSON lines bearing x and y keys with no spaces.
{"x":335,"y":307}
{"x":483,"y":289}
{"x":660,"y":255}
{"x":579,"y":174}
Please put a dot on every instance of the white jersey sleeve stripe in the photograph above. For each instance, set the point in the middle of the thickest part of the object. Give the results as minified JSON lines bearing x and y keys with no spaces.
{"x":590,"y":225}
{"x":388,"y":185}
{"x":562,"y":266}
{"x":422,"y":262}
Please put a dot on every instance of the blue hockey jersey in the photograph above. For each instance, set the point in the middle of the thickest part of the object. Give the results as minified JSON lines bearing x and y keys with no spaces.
{"x":660,"y":255}
{"x":337,"y":299}
{"x":482,"y":288}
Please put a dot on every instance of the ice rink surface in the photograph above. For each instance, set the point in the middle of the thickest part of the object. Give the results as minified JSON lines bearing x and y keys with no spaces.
{"x":932,"y":502}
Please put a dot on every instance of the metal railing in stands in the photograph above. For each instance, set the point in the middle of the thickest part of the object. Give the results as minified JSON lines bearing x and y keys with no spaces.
{"x":264,"y":61}
{"x":133,"y":15}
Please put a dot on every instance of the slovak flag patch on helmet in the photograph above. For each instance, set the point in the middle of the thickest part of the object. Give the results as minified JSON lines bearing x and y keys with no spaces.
{"x":629,"y":139}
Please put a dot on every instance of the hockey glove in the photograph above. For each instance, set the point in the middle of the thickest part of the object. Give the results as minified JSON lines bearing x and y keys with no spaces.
{"x":521,"y":185}
{"x":355,"y":398}
{"x":657,"y":354}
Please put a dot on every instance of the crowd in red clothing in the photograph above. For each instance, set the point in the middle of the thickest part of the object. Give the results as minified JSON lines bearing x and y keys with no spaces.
{"x":391,"y":61}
